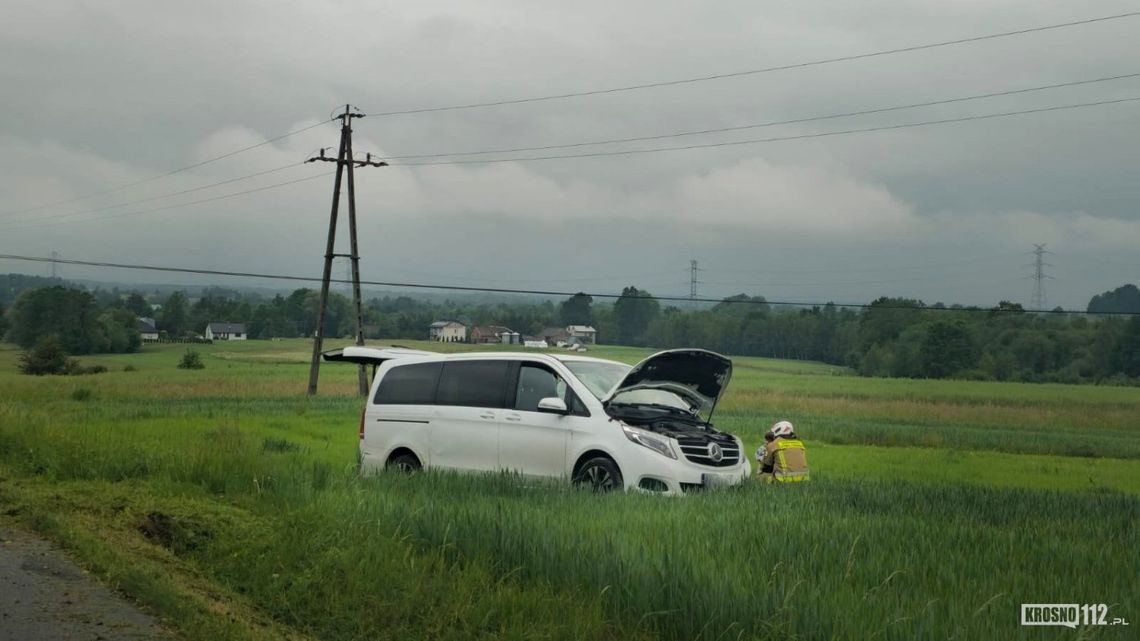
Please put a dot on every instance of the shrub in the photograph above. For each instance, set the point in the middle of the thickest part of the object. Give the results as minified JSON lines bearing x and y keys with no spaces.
{"x":89,"y":369}
{"x":81,"y":394}
{"x":191,"y":360}
{"x":130,"y":368}
{"x":47,"y":357}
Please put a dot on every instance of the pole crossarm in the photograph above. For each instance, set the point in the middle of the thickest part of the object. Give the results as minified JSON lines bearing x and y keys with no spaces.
{"x":368,"y":161}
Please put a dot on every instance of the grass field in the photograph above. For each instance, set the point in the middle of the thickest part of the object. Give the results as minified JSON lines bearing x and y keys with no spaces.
{"x":936,"y":507}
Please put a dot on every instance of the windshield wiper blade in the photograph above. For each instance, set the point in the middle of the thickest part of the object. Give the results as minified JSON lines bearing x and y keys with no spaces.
{"x":662,"y":406}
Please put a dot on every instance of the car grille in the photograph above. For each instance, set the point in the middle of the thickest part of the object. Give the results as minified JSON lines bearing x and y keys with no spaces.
{"x":696,"y":450}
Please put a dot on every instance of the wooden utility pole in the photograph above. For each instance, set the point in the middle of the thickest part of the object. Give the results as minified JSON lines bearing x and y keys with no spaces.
{"x":344,"y":160}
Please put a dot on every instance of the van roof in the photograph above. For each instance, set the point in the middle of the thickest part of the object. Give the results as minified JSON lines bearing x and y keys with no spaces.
{"x":377,"y":355}
{"x":565,"y":358}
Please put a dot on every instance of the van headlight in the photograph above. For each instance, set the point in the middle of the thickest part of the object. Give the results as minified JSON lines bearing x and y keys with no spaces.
{"x":648,"y":439}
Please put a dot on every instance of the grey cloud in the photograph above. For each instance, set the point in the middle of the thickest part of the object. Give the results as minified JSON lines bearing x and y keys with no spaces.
{"x":105,"y":93}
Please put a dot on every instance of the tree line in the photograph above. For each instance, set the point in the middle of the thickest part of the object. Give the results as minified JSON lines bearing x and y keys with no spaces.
{"x":894,"y":337}
{"x":906,"y":338}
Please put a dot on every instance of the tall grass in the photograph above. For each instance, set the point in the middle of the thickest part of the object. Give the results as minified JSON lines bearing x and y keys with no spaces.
{"x":828,"y":560}
{"x":261,"y":484}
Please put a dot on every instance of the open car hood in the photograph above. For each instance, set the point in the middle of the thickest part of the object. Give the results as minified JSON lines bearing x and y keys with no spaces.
{"x":699,"y":377}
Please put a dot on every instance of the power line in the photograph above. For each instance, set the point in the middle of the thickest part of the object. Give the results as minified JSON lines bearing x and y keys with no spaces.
{"x":610,"y":141}
{"x":162,"y":196}
{"x":627,"y":277}
{"x":637,"y":151}
{"x":621,"y":140}
{"x":532,"y":292}
{"x":773,"y":123}
{"x":18,"y":225}
{"x":850,"y":270}
{"x":850,"y":282}
{"x":1103,"y":261}
{"x":733,"y":143}
{"x":750,"y":72}
{"x":625,"y":152}
{"x":163,"y":175}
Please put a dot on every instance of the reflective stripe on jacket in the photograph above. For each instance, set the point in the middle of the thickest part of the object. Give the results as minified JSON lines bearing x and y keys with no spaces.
{"x":788,"y":459}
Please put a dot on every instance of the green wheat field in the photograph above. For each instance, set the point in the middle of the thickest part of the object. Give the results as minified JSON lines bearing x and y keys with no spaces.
{"x":227,"y":502}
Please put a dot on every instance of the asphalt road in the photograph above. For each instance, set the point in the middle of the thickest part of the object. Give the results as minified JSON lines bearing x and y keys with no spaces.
{"x":44,"y":596}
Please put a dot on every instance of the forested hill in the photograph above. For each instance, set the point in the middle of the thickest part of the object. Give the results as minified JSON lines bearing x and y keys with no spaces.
{"x":12,"y":284}
{"x":1122,"y":300}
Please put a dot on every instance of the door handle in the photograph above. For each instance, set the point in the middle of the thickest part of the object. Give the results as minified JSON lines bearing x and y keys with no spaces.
{"x":487,"y":415}
{"x":514,"y":417}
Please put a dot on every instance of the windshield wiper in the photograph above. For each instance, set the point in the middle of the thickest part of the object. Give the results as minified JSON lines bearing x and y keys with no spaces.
{"x":661,"y":406}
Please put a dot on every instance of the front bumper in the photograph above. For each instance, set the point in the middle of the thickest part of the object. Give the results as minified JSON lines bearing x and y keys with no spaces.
{"x":648,"y":471}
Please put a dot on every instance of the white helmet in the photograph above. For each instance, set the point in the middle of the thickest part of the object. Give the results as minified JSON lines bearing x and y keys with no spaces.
{"x":782,"y":428}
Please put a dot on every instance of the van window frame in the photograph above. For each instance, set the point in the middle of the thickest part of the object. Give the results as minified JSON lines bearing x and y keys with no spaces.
{"x":503,"y":403}
{"x":577,"y":407}
{"x":434,"y":389}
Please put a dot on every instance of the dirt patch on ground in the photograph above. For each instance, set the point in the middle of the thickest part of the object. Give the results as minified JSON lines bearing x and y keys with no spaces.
{"x":173,"y":534}
{"x":44,"y":596}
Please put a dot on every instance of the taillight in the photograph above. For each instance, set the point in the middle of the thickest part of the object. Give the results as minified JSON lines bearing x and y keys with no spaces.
{"x":362,"y":424}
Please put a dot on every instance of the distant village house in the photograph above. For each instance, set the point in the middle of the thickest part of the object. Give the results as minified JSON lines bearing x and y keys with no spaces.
{"x":147,"y":328}
{"x":495,"y":334}
{"x":448,"y":332}
{"x":572,"y":335}
{"x":584,"y":333}
{"x":226,"y":332}
{"x":555,"y":336}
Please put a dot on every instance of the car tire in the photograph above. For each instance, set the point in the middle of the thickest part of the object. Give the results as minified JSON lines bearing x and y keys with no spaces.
{"x":600,"y":474}
{"x":405,"y":463}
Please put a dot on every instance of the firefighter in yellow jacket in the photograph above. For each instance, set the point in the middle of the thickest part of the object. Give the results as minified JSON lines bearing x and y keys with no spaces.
{"x":783,"y":458}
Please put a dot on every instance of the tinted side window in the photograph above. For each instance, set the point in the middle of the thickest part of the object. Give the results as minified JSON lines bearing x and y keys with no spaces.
{"x":409,"y":385}
{"x":473,"y":383}
{"x":535,"y":384}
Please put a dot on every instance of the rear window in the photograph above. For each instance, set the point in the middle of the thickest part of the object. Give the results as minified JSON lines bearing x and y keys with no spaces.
{"x":473,"y":383}
{"x":409,"y":385}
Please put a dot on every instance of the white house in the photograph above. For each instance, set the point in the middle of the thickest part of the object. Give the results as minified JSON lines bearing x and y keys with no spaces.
{"x":448,"y":332}
{"x":147,"y":328}
{"x":226,"y":332}
{"x":583,"y":333}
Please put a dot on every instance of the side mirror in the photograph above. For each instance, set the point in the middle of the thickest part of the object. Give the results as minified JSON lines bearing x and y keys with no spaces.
{"x":553,"y":405}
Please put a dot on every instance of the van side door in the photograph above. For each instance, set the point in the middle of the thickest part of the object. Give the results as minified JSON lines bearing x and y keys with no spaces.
{"x":469,"y":403}
{"x":532,"y":442}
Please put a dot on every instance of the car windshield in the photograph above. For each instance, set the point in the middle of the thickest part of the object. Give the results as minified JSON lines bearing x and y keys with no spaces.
{"x":599,"y":376}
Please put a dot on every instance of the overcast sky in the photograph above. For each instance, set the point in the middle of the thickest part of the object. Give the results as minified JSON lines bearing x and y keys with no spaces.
{"x":96,"y":95}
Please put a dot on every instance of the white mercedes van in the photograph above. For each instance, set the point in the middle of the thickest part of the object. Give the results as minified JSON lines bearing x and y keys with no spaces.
{"x":586,"y":420}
